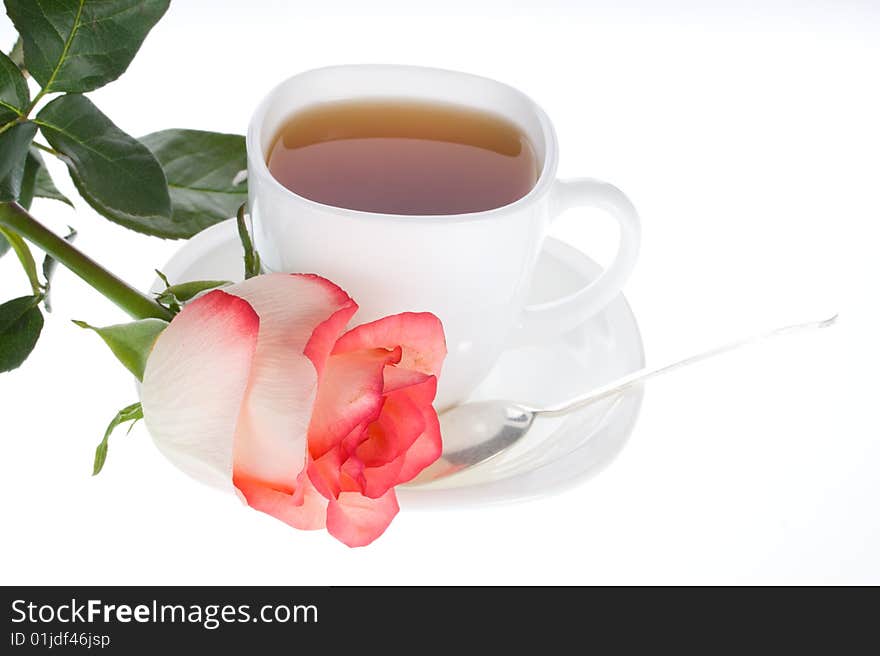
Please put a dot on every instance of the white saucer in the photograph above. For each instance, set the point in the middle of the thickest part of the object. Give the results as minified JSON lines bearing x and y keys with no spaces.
{"x":559,"y":452}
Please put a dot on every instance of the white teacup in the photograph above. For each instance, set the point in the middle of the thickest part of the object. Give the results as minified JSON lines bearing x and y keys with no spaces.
{"x":471,"y":270}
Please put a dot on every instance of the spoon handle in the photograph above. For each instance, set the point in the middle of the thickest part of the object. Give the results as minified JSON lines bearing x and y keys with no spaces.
{"x":636,"y":377}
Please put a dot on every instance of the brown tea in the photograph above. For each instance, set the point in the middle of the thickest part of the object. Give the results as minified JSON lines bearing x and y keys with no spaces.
{"x":403,"y":157}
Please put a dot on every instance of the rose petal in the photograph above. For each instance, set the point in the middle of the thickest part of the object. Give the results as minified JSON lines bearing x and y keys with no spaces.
{"x":354,"y":439}
{"x":378,"y":480}
{"x":350,"y":394}
{"x":427,"y":448}
{"x":419,"y":334}
{"x":398,"y":426}
{"x":397,"y":378}
{"x":356,"y":520}
{"x":419,"y":453}
{"x":303,"y":507}
{"x":195,"y":381}
{"x":270,"y":444}
{"x":325,"y":335}
{"x":324,"y":473}
{"x":351,"y":476}
{"x":424,"y":451}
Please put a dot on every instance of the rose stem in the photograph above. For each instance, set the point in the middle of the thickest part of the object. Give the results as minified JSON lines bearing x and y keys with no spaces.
{"x":132,"y":301}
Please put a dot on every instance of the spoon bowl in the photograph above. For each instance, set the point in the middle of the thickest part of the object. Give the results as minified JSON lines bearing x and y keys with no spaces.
{"x":476,"y":432}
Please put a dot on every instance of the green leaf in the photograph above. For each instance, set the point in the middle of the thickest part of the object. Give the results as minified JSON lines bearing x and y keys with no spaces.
{"x":171,"y":303}
{"x":132,"y":413}
{"x":21,"y":323}
{"x":36,"y":181}
{"x":29,"y":178}
{"x":23,"y":251}
{"x":14,"y":144}
{"x":204,"y":175}
{"x":252,"y":265}
{"x":16,"y":176}
{"x":114,"y":172}
{"x":17,"y":55}
{"x":14,"y":96}
{"x":163,"y":278}
{"x":43,"y":186}
{"x":49,"y":266}
{"x":186,"y":291}
{"x":131,"y":342}
{"x":80,"y":45}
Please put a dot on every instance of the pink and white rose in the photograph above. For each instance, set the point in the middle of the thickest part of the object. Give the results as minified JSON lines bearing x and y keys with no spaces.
{"x":259,"y":388}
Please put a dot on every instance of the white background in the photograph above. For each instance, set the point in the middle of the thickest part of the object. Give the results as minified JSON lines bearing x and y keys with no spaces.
{"x":747,"y":135}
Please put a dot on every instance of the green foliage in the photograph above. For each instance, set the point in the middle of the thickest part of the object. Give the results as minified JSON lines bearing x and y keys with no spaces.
{"x":114,"y":173}
{"x":21,"y":323}
{"x":131,"y":342}
{"x":23,"y":251}
{"x":14,"y":145}
{"x":132,"y":413}
{"x":81,"y":45}
{"x":17,"y":55}
{"x":44,"y":186}
{"x":14,"y":95}
{"x":204,"y":173}
{"x":174,"y":296}
{"x":172,"y":185}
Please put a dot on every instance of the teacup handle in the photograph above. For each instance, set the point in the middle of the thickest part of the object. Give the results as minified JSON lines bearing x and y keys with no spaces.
{"x":544,"y":320}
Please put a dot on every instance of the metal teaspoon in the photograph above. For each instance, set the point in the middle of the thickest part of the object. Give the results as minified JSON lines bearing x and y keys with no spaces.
{"x":476,"y":432}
